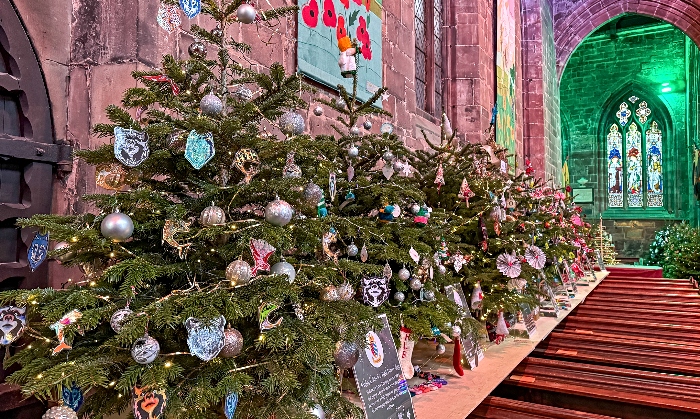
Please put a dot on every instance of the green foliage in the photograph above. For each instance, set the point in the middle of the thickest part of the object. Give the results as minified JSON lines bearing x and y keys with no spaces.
{"x":675,"y":249}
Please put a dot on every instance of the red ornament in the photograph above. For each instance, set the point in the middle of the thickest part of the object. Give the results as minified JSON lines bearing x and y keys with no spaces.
{"x":457,"y":357}
{"x":165,"y":79}
{"x":309,"y":13}
{"x":568,"y":188}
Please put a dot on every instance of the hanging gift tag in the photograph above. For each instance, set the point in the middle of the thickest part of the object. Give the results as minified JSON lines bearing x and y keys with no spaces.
{"x":38,"y":250}
{"x":199,"y":149}
{"x":130,"y":146}
{"x":191,"y":7}
{"x":168,"y":17}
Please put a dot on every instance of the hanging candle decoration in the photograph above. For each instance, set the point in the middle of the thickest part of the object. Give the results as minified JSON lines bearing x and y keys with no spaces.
{"x":363,"y":253}
{"x":149,"y":404}
{"x":484,"y":234}
{"x":261,"y":251}
{"x":535,"y":257}
{"x":110,"y":176}
{"x":230,"y":405}
{"x":130,"y":146}
{"x":191,"y":7}
{"x":264,"y":312}
{"x":205,"y":338}
{"x":145,"y":350}
{"x":69,"y":318}
{"x":38,"y":250}
{"x":508,"y":265}
{"x":375,"y":290}
{"x":173,"y":227}
{"x":72,"y":396}
{"x":477,"y":297}
{"x":199,"y":149}
{"x":291,"y":169}
{"x":12,"y":323}
{"x":247,"y":161}
{"x":439,"y":176}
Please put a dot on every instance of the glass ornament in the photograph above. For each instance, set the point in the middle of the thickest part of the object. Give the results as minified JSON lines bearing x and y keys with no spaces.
{"x":246,"y":13}
{"x":239,"y":273}
{"x":278,"y":213}
{"x":204,"y":338}
{"x":233,"y":343}
{"x":284,"y":268}
{"x":145,"y":350}
{"x":199,"y":149}
{"x":118,"y":318}
{"x":211,"y":105}
{"x":117,"y":227}
{"x":212,"y":215}
{"x":198,"y":50}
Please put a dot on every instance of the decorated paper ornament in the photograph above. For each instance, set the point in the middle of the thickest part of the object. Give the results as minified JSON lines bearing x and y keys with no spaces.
{"x":145,"y":350}
{"x":242,"y":93}
{"x":312,"y":194}
{"x":415,"y":284}
{"x":149,"y":404}
{"x":69,"y":318}
{"x":440,"y":349}
{"x":239,"y":273}
{"x":477,"y":297}
{"x":352,"y":249}
{"x":291,"y":169}
{"x":168,"y":17}
{"x":439,"y":177}
{"x":404,"y":274}
{"x":363,"y":253}
{"x":345,"y":292}
{"x":375,"y":290}
{"x":130,"y":146}
{"x":204,"y":338}
{"x":72,"y":396}
{"x":191,"y":7}
{"x":261,"y":251}
{"x":278,"y":213}
{"x":535,"y":257}
{"x":110,"y":176}
{"x":386,"y":128}
{"x":118,"y":318}
{"x":38,"y":249}
{"x":230,"y":405}
{"x":246,"y":13}
{"x":198,"y":50}
{"x":508,"y":265}
{"x":211,"y":105}
{"x":212,"y":216}
{"x":12,"y":322}
{"x":330,"y":293}
{"x":353,"y":151}
{"x":367,"y":125}
{"x":399,"y":296}
{"x":199,"y":149}
{"x":173,"y":227}
{"x":117,"y":227}
{"x":291,"y":123}
{"x":60,"y":412}
{"x":355,"y":130}
{"x":247,"y":161}
{"x":346,"y":354}
{"x":264,"y":312}
{"x":284,"y":268}
{"x":318,"y":111}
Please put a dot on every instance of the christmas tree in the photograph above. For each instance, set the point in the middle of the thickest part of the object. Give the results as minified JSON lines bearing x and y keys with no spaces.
{"x":604,"y":244}
{"x":231,"y":270}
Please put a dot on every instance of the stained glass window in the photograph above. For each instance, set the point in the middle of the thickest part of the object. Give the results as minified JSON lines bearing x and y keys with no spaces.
{"x":633,"y":152}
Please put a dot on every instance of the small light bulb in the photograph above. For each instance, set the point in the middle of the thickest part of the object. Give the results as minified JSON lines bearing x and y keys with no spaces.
{"x":168,"y":364}
{"x":112,"y":384}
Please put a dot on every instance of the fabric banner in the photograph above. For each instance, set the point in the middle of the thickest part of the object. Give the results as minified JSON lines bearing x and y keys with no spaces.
{"x":505,"y":78}
{"x":322,"y":24}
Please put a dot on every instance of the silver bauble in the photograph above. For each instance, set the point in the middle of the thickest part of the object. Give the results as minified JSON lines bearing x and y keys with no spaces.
{"x":212,"y":216}
{"x":60,"y":412}
{"x":352,"y":250}
{"x":278,"y":213}
{"x":117,"y":320}
{"x":415,"y":284}
{"x":233,"y":343}
{"x":456,"y":331}
{"x":145,"y":350}
{"x":239,"y":272}
{"x":404,"y":274}
{"x":117,"y":226}
{"x":291,"y":123}
{"x":330,"y":293}
{"x":312,"y":194}
{"x":211,"y":105}
{"x":217,"y":32}
{"x":318,"y":412}
{"x":399,"y":296}
{"x":428,"y":295}
{"x":386,"y":128}
{"x":346,"y":354}
{"x":318,"y":111}
{"x":353,"y":151}
{"x":398,"y":165}
{"x":354,"y":130}
{"x":66,"y":256}
{"x":440,"y":349}
{"x":246,"y":13}
{"x":284,"y":268}
{"x":197,"y":49}
{"x":242,"y":93}
{"x":415,"y":208}
{"x":367,"y":125}
{"x":442,"y":269}
{"x":345,"y":292}
{"x":388,"y":156}
{"x":340,"y":103}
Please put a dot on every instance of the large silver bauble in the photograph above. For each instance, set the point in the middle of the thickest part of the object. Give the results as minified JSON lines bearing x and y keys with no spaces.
{"x":346,"y":354}
{"x":278,"y":213}
{"x":197,"y":49}
{"x":456,"y":331}
{"x":239,"y":272}
{"x":318,"y":111}
{"x":212,"y":216}
{"x":398,"y":165}
{"x":415,"y":284}
{"x":145,"y":350}
{"x":415,"y":208}
{"x":367,"y":125}
{"x":399,"y":296}
{"x":291,"y":123}
{"x":60,"y":412}
{"x":440,"y":349}
{"x":330,"y":293}
{"x":345,"y":292}
{"x":284,"y":268}
{"x":404,"y":274}
{"x":66,"y":256}
{"x":242,"y":93}
{"x":355,"y":130}
{"x":312,"y":194}
{"x":429,"y":295}
{"x":211,"y":105}
{"x":388,"y":156}
{"x":386,"y":128}
{"x":117,"y":320}
{"x":233,"y":343}
{"x":318,"y":412}
{"x":246,"y":13}
{"x":117,"y":227}
{"x":352,"y":250}
{"x":353,"y":151}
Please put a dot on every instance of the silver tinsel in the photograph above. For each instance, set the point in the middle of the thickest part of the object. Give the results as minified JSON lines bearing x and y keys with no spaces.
{"x":330,"y":293}
{"x":352,"y":250}
{"x":429,"y":295}
{"x":197,"y":49}
{"x":117,"y":320}
{"x":399,"y":296}
{"x":291,"y":123}
{"x":353,"y":151}
{"x":404,"y":274}
{"x":212,"y":216}
{"x":345,"y":292}
{"x":60,"y":412}
{"x":211,"y":105}
{"x":346,"y":354}
{"x":242,"y":93}
{"x":233,"y":343}
{"x":388,"y":156}
{"x":239,"y":272}
{"x":312,"y":194}
{"x":117,"y":226}
{"x":246,"y":13}
{"x":318,"y":111}
{"x":145,"y":350}
{"x":367,"y":125}
{"x":278,"y":213}
{"x":354,"y":130}
{"x":415,"y":284}
{"x":284,"y":268}
{"x":440,"y":349}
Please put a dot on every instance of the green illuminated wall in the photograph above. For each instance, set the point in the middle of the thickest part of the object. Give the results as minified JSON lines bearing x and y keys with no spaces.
{"x":605,"y":67}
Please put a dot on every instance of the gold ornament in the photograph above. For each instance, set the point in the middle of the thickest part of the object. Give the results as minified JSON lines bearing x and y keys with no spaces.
{"x":110,"y":176}
{"x":247,"y":161}
{"x":173,"y":227}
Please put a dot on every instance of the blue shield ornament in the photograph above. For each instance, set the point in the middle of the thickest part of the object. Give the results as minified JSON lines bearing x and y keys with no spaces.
{"x":230,"y":405}
{"x":130,"y":146}
{"x":205,"y":339}
{"x":191,"y":7}
{"x":38,"y":250}
{"x":72,"y":396}
{"x":199,"y":149}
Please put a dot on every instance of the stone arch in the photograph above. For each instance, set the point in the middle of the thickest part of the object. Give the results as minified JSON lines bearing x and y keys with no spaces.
{"x":575,"y":20}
